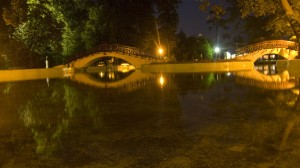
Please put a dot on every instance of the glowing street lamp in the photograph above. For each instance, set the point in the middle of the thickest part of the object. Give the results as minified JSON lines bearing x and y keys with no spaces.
{"x":217,"y":50}
{"x":160,"y":51}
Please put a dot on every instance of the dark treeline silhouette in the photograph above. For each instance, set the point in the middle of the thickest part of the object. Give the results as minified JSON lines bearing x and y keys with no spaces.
{"x":58,"y":29}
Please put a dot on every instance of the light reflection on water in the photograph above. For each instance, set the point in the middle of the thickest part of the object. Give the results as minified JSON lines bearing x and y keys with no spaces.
{"x":267,"y":69}
{"x":111,"y":76}
{"x":168,"y":120}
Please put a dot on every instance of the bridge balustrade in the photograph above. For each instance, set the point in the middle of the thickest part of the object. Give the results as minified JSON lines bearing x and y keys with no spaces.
{"x":271,"y":44}
{"x":131,"y":51}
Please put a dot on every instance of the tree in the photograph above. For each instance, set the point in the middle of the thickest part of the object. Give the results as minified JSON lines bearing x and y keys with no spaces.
{"x":167,"y":22}
{"x":16,"y":13}
{"x":131,"y":20}
{"x":95,"y":27}
{"x":62,"y":28}
{"x":13,"y":52}
{"x":217,"y":19}
{"x":49,"y":28}
{"x":280,"y":17}
{"x":284,"y":14}
{"x":35,"y":27}
{"x":41,"y":32}
{"x":192,"y":48}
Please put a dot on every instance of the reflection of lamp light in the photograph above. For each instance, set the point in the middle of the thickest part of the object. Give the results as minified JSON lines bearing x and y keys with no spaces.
{"x":101,"y":74}
{"x":161,"y":80}
{"x":111,"y":75}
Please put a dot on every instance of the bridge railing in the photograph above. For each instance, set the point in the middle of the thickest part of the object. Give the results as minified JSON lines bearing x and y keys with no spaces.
{"x":125,"y":50}
{"x":267,"y":45}
{"x":128,"y":50}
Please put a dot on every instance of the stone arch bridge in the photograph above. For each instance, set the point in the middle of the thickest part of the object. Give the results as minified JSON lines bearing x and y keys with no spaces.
{"x":135,"y":56}
{"x":284,"y":48}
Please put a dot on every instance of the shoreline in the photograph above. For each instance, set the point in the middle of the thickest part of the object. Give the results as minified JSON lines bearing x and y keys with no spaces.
{"x":61,"y":72}
{"x":218,"y":66}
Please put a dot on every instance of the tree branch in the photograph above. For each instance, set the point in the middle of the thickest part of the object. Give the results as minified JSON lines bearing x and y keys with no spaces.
{"x":289,"y":11}
{"x":287,"y":7}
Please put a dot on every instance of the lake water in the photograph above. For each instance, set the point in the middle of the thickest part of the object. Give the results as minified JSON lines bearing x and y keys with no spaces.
{"x":130,"y":120}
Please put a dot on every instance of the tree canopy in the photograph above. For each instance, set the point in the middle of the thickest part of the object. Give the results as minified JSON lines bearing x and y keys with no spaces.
{"x":193,"y":48}
{"x":277,"y":18}
{"x":60,"y":28}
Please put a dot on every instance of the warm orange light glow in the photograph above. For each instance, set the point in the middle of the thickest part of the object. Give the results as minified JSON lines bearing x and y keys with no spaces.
{"x":160,"y":51}
{"x":101,"y":74}
{"x":161,"y":81}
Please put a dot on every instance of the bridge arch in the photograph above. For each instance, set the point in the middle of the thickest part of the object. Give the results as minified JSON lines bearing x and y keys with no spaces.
{"x":91,"y":59}
{"x":135,"y":56}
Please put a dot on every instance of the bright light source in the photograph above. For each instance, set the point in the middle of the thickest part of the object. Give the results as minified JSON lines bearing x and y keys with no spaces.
{"x":160,"y":51}
{"x":217,"y":49}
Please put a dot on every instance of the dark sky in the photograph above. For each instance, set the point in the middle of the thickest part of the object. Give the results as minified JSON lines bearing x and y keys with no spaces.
{"x":192,"y":21}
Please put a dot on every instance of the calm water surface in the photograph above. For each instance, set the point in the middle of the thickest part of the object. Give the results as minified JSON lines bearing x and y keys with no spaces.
{"x":149,"y":120}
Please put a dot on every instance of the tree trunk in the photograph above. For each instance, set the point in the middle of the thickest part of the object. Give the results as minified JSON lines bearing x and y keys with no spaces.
{"x":298,"y":56}
{"x":287,"y":7}
{"x":294,"y":20}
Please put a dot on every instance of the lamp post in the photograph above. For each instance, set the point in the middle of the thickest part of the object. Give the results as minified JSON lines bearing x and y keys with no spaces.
{"x":46,"y":62}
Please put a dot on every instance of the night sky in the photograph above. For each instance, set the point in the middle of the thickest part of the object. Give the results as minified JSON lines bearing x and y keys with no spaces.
{"x":192,"y":21}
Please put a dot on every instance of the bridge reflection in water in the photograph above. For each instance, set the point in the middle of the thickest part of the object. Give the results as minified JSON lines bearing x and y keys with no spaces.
{"x":254,"y":78}
{"x":132,"y":81}
{"x":268,"y":78}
